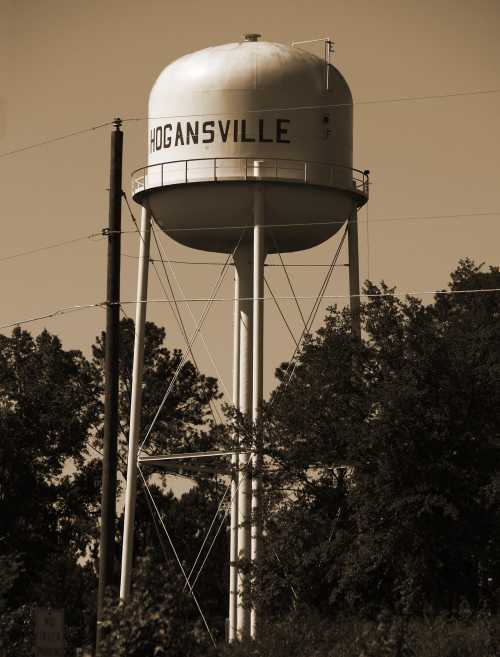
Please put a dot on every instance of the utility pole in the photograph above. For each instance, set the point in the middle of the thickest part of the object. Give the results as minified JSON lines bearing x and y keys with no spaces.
{"x":111,"y":373}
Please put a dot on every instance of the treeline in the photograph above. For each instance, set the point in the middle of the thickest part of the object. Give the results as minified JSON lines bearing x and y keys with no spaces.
{"x":381,"y":477}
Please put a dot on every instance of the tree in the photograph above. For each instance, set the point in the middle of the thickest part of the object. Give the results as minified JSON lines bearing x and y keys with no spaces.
{"x":49,"y":405}
{"x":50,"y":477}
{"x":407,"y":418}
{"x":160,"y":619}
{"x":185,"y":421}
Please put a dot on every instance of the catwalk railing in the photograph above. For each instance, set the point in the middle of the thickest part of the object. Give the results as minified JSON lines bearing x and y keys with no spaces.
{"x":222,"y":169}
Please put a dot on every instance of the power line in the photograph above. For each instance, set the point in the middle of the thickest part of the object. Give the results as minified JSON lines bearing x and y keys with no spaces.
{"x":335,"y":221}
{"x":371,"y":101}
{"x":102,"y":235}
{"x":22,"y":254}
{"x":55,"y":313}
{"x":378,"y":295}
{"x":45,"y":142}
{"x":220,"y":263}
{"x":362,"y":295}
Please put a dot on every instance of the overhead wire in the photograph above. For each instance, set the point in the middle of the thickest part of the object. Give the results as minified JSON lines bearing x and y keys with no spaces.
{"x":327,"y":297}
{"x":372,"y":101}
{"x":52,"y":140}
{"x":291,"y":108}
{"x":48,"y":247}
{"x":103,"y":234}
{"x":55,"y":313}
{"x":304,"y":297}
{"x":218,"y":263}
{"x":335,"y":221}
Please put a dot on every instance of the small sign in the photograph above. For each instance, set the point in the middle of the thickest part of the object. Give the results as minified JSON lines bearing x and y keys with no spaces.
{"x":49,"y":632}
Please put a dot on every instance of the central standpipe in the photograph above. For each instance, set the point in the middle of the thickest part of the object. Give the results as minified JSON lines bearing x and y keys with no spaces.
{"x":248,"y":361}
{"x":243,"y":265}
{"x":257,"y":381}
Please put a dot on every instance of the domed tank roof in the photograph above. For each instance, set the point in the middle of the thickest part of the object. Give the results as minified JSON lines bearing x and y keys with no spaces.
{"x":261,"y":75}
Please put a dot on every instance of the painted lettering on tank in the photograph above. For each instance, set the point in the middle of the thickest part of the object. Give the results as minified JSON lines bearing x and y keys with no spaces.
{"x":281,"y":131}
{"x":208,"y":132}
{"x":187,"y":133}
{"x":244,"y":136}
{"x":262,"y":139}
{"x":167,"y":140}
{"x":192,"y":133}
{"x":224,"y":133}
{"x":179,"y":138}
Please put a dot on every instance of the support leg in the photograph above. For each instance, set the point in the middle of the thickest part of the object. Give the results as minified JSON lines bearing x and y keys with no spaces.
{"x":233,"y":549}
{"x":135,"y":409}
{"x":355,"y":302}
{"x":257,"y":385}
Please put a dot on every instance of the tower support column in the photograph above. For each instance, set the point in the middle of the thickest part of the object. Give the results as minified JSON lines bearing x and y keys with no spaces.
{"x":355,"y":301}
{"x":257,"y":386}
{"x":243,"y":263}
{"x":233,"y":546}
{"x":135,"y":408}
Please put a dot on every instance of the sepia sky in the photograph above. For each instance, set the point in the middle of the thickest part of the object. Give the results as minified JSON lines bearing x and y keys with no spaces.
{"x":66,"y":65}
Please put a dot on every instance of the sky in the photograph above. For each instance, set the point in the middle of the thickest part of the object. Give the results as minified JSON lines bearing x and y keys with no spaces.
{"x":67,"y":65}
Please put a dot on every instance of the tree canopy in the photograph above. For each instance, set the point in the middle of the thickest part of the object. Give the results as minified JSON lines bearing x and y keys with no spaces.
{"x":381,"y":474}
{"x":391,"y":447}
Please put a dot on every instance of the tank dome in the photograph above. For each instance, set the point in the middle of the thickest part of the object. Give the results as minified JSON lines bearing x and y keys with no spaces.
{"x":226,"y":118}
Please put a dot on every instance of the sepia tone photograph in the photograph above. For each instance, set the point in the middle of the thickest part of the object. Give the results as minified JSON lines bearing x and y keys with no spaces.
{"x":250,"y":328}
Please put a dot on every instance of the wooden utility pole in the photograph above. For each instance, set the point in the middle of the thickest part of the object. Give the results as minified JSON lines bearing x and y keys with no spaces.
{"x":111,"y":373}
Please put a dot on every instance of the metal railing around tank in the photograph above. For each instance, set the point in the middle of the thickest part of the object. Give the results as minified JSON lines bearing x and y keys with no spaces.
{"x":219,"y":169}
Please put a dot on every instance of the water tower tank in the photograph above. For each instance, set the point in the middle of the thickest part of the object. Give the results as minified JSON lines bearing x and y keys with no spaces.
{"x":230,"y":117}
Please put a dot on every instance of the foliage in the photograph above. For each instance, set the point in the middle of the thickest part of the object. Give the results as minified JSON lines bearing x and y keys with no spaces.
{"x":405,"y":417}
{"x":185,"y":419}
{"x":50,"y":479}
{"x":305,"y":634}
{"x":48,"y":406}
{"x":188,"y":520}
{"x":160,"y":618}
{"x":382,"y":492}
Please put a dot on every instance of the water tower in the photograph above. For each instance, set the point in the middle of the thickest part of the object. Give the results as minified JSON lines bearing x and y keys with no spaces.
{"x":249,"y":152}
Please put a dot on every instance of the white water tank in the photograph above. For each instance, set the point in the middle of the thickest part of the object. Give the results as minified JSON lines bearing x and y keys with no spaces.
{"x":227,"y":118}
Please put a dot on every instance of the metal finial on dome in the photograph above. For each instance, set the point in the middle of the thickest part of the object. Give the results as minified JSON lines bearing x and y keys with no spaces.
{"x":252,"y":36}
